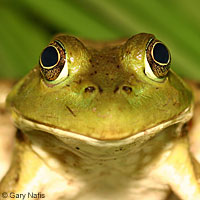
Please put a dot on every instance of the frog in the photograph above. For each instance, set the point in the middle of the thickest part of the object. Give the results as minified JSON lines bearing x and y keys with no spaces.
{"x":102,"y":120}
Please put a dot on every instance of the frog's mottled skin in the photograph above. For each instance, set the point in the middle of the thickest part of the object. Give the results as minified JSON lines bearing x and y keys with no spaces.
{"x":113,"y":142}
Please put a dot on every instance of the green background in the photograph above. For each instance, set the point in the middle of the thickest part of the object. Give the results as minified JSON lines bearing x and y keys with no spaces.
{"x":26,"y":26}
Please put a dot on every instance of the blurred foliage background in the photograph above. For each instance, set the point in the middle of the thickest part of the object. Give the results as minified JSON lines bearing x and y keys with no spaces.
{"x":26,"y":26}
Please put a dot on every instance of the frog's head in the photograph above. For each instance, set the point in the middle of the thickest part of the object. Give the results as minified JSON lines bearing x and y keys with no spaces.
{"x":103,"y":91}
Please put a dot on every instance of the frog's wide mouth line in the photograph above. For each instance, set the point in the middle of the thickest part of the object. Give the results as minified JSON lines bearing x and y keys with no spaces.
{"x":29,"y":124}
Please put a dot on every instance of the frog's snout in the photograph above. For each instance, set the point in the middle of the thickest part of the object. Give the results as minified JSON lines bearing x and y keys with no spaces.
{"x":123,"y":88}
{"x":126,"y":89}
{"x":90,"y":89}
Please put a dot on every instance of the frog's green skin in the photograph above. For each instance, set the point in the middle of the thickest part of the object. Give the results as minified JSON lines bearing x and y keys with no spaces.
{"x":107,"y":143}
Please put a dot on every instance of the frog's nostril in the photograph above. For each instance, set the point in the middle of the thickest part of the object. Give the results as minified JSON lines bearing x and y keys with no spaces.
{"x":116,"y":89}
{"x":127,"y":89}
{"x":89,"y":89}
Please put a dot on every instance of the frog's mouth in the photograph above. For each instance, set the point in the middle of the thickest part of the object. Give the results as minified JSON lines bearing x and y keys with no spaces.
{"x":26,"y":124}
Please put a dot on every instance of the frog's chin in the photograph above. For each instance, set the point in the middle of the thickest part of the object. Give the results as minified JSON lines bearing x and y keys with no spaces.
{"x":26,"y":125}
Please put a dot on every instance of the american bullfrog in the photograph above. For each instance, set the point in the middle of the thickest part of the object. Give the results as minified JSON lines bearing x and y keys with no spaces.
{"x":102,"y":121}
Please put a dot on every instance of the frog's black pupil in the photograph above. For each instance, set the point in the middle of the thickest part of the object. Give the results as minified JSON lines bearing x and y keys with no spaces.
{"x":49,"y":57}
{"x":160,"y":53}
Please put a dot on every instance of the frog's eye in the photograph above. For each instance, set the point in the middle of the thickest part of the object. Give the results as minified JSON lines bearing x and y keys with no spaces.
{"x":157,"y":60}
{"x":53,"y":64}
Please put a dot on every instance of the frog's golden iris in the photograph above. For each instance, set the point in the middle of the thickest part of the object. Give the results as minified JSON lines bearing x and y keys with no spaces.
{"x":53,"y":62}
{"x":159,"y":59}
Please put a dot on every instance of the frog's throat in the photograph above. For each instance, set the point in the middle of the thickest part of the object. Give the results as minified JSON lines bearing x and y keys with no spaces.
{"x":27,"y":125}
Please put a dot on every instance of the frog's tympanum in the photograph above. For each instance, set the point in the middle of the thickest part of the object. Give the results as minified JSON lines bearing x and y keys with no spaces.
{"x":102,"y":121}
